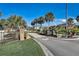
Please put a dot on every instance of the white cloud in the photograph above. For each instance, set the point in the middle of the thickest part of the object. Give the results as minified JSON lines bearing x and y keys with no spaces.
{"x":75,"y":21}
{"x":60,"y":20}
{"x":64,"y":20}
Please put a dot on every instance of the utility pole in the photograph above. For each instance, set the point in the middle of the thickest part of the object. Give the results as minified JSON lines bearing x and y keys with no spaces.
{"x":66,"y":13}
{"x":66,"y":16}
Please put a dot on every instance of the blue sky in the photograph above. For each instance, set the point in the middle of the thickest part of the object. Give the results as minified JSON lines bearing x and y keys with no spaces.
{"x":29,"y":11}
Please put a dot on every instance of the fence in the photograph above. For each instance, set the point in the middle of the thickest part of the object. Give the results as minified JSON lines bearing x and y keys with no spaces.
{"x":7,"y":36}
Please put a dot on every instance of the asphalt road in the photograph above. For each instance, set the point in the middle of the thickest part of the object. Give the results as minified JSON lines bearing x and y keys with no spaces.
{"x":58,"y":46}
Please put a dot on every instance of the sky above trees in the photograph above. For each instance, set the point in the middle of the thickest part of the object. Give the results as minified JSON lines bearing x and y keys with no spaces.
{"x":30,"y":11}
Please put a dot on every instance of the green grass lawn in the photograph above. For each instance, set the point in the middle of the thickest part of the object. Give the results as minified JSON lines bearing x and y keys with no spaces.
{"x":21,"y":48}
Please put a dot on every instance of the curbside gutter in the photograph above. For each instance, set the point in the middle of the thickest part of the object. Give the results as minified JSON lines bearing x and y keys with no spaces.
{"x":45,"y":49}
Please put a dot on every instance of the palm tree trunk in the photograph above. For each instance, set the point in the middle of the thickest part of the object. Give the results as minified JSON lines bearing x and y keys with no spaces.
{"x":48,"y":24}
{"x":36,"y":27}
{"x":40,"y":27}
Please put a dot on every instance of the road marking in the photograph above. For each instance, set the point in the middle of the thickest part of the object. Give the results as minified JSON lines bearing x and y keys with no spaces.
{"x":45,"y":39}
{"x":78,"y":38}
{"x":71,"y":39}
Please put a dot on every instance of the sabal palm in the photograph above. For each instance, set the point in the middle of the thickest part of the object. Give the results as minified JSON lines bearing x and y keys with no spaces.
{"x":41,"y":20}
{"x":20,"y":22}
{"x":24,"y":24}
{"x":2,"y":22}
{"x":77,"y":18}
{"x":49,"y":17}
{"x":17,"y":21}
{"x":32,"y":23}
{"x":70,"y":21}
{"x":70,"y":24}
{"x":35,"y":22}
{"x":11,"y":21}
{"x":0,"y":19}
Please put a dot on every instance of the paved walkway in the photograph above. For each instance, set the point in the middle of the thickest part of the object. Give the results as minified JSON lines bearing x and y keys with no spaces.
{"x":59,"y":47}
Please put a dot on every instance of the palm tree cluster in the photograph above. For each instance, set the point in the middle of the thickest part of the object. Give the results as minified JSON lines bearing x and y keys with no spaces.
{"x":70,"y":21}
{"x":71,"y":27}
{"x":49,"y":17}
{"x":13,"y":22}
{"x":40,"y":20}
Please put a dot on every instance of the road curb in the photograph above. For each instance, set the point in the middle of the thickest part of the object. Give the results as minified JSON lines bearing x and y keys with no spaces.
{"x":46,"y":51}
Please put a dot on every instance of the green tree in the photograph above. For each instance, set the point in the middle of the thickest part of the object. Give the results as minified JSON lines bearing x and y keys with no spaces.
{"x":33,"y":24}
{"x":16,"y":22}
{"x":49,"y":17}
{"x":70,"y":26}
{"x":2,"y":23}
{"x":70,"y":21}
{"x":36,"y":22}
{"x":77,"y":18}
{"x":41,"y":20}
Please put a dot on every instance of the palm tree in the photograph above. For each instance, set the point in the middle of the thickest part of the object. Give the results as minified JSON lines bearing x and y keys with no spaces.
{"x":33,"y":24}
{"x":5,"y":25}
{"x":41,"y":20}
{"x":16,"y":21}
{"x":70,"y":21}
{"x":21,"y":25}
{"x":24,"y":24}
{"x":49,"y":17}
{"x":11,"y":24}
{"x":77,"y":18}
{"x":36,"y":22}
{"x":1,"y":21}
{"x":70,"y":26}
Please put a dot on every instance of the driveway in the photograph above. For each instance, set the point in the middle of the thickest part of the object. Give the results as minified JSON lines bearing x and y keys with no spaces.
{"x":58,"y":46}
